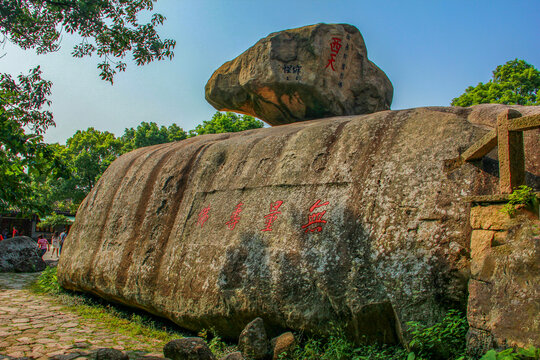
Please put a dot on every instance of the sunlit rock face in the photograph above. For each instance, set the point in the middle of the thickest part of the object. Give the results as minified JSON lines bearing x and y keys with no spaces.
{"x":355,"y":220}
{"x":300,"y":74}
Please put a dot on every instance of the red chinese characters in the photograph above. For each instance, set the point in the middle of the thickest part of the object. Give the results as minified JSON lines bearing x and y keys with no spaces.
{"x":315,"y":218}
{"x":335,"y":46}
{"x":273,"y":215}
{"x":235,"y":217}
{"x":204,"y":215}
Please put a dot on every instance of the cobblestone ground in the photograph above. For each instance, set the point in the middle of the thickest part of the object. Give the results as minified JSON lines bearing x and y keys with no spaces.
{"x":36,"y":326}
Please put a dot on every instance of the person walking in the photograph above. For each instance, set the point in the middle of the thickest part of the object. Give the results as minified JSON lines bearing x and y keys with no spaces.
{"x":63,"y":235}
{"x":42,"y":244}
{"x":55,"y":244}
{"x":15,"y":232}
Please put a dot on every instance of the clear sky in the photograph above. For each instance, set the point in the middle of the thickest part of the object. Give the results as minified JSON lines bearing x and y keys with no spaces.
{"x":431,"y":50}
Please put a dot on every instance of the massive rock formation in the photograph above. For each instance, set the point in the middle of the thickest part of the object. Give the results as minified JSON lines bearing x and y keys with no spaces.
{"x":300,"y":74}
{"x":357,"y":220}
{"x":20,"y":254}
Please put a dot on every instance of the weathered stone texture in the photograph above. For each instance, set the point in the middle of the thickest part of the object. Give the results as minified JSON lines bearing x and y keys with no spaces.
{"x":394,"y":247}
{"x":302,"y":74}
{"x":504,"y":290}
{"x":190,"y":348}
{"x":253,"y":342}
{"x":20,"y":254}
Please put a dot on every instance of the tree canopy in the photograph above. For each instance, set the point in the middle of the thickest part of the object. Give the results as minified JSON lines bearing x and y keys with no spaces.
{"x":226,"y":122}
{"x":109,"y":28}
{"x":147,"y":134}
{"x":514,"y":83}
{"x":22,"y":124}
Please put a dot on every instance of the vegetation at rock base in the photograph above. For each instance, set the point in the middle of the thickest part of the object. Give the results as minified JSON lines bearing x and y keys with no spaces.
{"x":444,"y":340}
{"x":530,"y":353}
{"x":523,"y":195}
{"x":514,"y":83}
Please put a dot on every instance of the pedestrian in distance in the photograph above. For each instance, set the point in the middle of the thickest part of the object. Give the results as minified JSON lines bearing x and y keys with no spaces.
{"x":42,"y":244}
{"x":63,"y":235}
{"x":56,"y":244}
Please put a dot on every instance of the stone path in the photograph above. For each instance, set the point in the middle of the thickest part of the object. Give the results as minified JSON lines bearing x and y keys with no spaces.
{"x":37,"y":326}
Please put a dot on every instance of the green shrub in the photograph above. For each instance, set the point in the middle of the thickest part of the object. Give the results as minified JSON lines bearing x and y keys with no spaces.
{"x":531,"y":353}
{"x":47,"y":282}
{"x":337,"y":347}
{"x":444,"y":340}
{"x":523,"y":195}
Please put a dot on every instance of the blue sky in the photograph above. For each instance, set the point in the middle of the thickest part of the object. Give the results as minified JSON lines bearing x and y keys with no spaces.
{"x":431,"y":50}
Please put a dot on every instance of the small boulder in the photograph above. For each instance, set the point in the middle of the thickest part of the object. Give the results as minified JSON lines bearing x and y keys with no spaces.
{"x":283,"y":346}
{"x":110,"y":354}
{"x":253,"y":342}
{"x":191,"y":348}
{"x":20,"y":254}
{"x":237,"y":355}
{"x":301,"y":74}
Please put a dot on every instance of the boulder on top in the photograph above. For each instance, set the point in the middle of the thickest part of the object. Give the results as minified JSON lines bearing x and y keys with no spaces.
{"x":20,"y":254}
{"x":301,"y":74}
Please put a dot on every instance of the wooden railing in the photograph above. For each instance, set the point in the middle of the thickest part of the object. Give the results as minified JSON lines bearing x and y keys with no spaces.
{"x":508,"y":137}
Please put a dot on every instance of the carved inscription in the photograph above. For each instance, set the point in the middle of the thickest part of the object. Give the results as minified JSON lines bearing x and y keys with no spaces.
{"x":315,"y":218}
{"x":273,"y":215}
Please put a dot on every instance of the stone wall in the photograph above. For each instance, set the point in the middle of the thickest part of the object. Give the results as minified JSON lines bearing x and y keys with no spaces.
{"x":504,"y":289}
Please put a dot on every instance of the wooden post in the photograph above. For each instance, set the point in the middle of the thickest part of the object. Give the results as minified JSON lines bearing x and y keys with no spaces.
{"x":511,"y":153}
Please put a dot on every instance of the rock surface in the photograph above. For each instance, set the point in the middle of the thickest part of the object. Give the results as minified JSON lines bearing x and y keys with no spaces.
{"x":110,"y":354}
{"x":253,"y":342}
{"x":301,"y":74}
{"x":504,"y":300}
{"x":20,"y":254}
{"x":282,"y":346}
{"x":367,"y":226}
{"x":191,"y":348}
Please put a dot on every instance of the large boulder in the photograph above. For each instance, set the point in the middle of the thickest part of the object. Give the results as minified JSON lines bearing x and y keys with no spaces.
{"x":354,"y":220}
{"x":300,"y":74}
{"x":20,"y":254}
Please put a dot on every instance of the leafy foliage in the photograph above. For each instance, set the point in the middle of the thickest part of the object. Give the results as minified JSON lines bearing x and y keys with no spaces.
{"x":444,"y":340}
{"x":336,"y":347}
{"x":22,"y":151}
{"x":522,"y":195}
{"x":48,"y":282}
{"x":109,"y":28}
{"x":515,"y":82}
{"x":53,"y":221}
{"x":226,"y":122}
{"x":531,"y":353}
{"x":147,"y":134}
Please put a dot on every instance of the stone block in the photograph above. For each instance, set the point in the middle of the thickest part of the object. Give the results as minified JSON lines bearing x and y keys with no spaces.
{"x":489,"y":218}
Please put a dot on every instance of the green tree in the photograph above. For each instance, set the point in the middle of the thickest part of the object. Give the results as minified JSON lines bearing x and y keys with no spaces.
{"x":147,"y":134}
{"x":226,"y":122}
{"x":515,"y":82}
{"x":87,"y":154}
{"x":23,"y":155}
{"x":109,"y":28}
